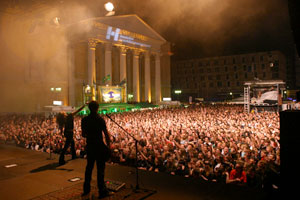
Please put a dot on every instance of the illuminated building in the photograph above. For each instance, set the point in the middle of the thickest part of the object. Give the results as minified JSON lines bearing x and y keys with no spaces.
{"x":118,"y":52}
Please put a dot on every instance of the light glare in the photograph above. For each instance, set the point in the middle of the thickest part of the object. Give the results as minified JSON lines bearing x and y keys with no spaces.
{"x":109,"y":7}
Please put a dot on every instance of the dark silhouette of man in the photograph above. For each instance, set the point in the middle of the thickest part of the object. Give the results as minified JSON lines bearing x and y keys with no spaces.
{"x":66,"y":123}
{"x":93,"y":126}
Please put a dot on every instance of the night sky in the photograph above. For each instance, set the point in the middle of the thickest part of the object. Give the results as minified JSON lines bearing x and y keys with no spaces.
{"x":201,"y":28}
{"x":195,"y":28}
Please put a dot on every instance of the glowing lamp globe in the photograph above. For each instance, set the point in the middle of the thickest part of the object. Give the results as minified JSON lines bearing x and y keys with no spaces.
{"x":109,"y":7}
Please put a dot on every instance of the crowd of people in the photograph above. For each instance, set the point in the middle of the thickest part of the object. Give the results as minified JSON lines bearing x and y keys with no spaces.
{"x":219,"y":143}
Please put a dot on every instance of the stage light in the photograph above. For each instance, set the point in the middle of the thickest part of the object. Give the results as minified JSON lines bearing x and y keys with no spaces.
{"x":56,"y":21}
{"x":109,"y":7}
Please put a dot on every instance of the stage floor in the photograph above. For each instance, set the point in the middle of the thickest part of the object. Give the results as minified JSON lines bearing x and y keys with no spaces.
{"x":38,"y":177}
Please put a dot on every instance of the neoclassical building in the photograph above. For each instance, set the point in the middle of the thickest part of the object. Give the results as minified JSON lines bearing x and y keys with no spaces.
{"x":118,"y":57}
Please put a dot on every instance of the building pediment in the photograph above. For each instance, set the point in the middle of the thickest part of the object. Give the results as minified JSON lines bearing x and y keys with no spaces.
{"x":128,"y":30}
{"x":131,"y":23}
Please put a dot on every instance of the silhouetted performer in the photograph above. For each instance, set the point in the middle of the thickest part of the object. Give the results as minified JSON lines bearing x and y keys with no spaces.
{"x":66,"y":123}
{"x":93,"y":126}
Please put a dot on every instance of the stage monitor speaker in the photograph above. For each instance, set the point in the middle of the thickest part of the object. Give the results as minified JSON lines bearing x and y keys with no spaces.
{"x":289,"y":150}
{"x":298,"y":96}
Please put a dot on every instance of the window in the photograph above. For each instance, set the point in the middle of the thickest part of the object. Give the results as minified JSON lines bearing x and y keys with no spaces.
{"x":243,"y":59}
{"x":237,"y":83}
{"x":226,"y":69}
{"x":236,"y":76}
{"x":253,"y":59}
{"x":217,"y":69}
{"x":227,"y":76}
{"x":261,"y":58}
{"x":275,"y":75}
{"x":233,"y":60}
{"x":219,"y":83}
{"x":208,"y":70}
{"x":249,"y":68}
{"x":234,"y":68}
{"x":218,"y":77}
{"x":210,"y":78}
{"x":200,"y":64}
{"x":228,"y":83}
{"x":57,"y":103}
{"x":246,"y":75}
{"x":263,"y":66}
{"x":264,"y":74}
{"x":211,"y":85}
{"x":245,"y":67}
{"x":225,"y":61}
{"x":202,"y":78}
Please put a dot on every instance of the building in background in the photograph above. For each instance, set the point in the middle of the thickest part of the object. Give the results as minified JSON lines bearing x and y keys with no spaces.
{"x":222,"y":78}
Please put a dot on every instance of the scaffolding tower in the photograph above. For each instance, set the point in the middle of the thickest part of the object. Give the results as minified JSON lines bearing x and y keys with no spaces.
{"x":250,"y":86}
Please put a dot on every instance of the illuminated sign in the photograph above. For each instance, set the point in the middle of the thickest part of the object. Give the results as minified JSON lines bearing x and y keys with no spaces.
{"x":126,"y":37}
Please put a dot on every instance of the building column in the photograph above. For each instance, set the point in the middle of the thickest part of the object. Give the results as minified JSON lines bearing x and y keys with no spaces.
{"x":157,"y":78}
{"x":92,"y":66}
{"x":71,"y":77}
{"x":108,"y":63}
{"x":147,"y":77}
{"x":122,"y":64}
{"x":123,"y":76}
{"x":136,"y":78}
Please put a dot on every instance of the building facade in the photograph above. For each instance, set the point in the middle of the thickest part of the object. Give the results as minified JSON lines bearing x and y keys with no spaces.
{"x":220,"y":78}
{"x":46,"y":64}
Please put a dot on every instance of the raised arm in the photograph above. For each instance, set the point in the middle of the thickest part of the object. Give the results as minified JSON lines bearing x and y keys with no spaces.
{"x":79,"y":109}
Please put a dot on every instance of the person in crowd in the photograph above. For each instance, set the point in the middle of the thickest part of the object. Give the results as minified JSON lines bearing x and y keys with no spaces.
{"x":238,"y":175}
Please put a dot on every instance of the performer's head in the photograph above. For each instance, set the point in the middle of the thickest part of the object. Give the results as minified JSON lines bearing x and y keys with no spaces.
{"x":93,"y":106}
{"x":61,"y":119}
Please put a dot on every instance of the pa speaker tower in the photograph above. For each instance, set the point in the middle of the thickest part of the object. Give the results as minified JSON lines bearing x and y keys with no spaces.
{"x":289,"y":150}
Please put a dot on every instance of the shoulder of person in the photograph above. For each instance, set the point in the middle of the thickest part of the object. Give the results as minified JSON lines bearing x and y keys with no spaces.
{"x":84,"y":118}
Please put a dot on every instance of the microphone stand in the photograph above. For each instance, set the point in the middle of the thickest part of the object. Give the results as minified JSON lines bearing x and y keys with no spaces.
{"x":137,"y":187}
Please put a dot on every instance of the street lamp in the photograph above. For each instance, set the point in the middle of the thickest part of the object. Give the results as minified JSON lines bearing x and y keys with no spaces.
{"x":109,"y":7}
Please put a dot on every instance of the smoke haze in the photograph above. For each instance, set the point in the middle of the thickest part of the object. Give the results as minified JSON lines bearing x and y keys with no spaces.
{"x":33,"y":54}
